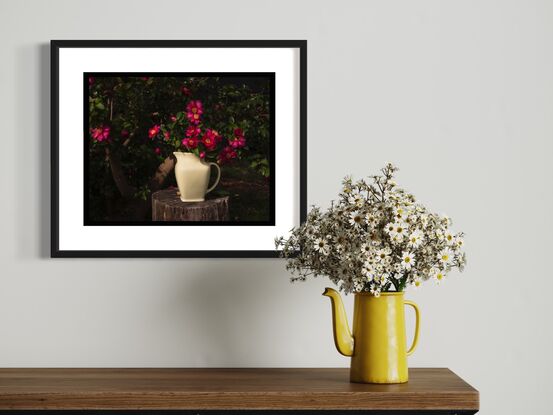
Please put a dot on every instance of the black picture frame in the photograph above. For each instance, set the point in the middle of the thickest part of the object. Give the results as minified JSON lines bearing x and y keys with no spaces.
{"x":56,"y":45}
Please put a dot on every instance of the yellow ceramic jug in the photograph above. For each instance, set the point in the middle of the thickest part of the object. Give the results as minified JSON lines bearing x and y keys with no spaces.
{"x":377,"y":346}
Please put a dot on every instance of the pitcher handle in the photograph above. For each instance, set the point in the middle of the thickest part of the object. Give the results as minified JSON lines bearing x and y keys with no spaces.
{"x":417,"y":325}
{"x":216,"y":180}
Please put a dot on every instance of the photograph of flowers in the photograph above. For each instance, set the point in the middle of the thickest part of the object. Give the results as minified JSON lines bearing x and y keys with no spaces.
{"x":188,"y":149}
{"x":140,"y":124}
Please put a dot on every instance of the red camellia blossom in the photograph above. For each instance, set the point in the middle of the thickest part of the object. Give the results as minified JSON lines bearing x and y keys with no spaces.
{"x":194,"y":111}
{"x":154,"y":131}
{"x":100,"y":133}
{"x":124,"y":133}
{"x":91,"y":80}
{"x":190,"y":142}
{"x":144,"y":78}
{"x":193,"y":131}
{"x":186,"y":91}
{"x":157,"y":150}
{"x":173,"y":118}
{"x":210,"y":139}
{"x":226,"y":155}
{"x":166,"y":135}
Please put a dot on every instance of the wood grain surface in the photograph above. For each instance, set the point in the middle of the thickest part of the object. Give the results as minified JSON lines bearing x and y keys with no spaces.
{"x":232,"y":389}
{"x":167,"y":206}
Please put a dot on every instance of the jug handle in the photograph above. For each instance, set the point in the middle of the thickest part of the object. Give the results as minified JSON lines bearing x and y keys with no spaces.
{"x":216,"y":180}
{"x":417,"y":325}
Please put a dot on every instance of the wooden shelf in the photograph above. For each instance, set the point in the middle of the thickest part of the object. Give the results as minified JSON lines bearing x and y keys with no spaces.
{"x":229,"y":389}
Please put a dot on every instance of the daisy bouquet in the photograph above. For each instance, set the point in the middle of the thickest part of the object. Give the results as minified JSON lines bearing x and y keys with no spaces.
{"x":376,"y":237}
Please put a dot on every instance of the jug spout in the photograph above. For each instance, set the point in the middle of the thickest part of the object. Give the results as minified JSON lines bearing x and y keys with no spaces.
{"x":342,"y":334}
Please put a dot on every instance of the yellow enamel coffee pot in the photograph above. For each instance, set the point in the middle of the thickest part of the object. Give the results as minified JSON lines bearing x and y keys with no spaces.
{"x":377,"y":346}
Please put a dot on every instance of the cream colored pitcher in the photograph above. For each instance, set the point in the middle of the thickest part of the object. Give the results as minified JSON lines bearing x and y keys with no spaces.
{"x":192,"y":176}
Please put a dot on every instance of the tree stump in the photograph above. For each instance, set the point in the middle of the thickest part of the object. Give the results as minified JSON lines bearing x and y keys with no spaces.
{"x":167,"y":206}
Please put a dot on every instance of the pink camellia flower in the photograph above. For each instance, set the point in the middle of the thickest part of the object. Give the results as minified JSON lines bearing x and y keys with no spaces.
{"x":100,"y":133}
{"x":124,"y":133}
{"x":218,"y":137}
{"x":202,"y":155}
{"x":194,"y":111}
{"x":173,"y":118}
{"x":91,"y":80}
{"x":226,"y":155}
{"x":193,"y":131}
{"x":166,"y":135}
{"x":239,"y":140}
{"x":157,"y":150}
{"x":190,"y":142}
{"x":210,"y":139}
{"x":186,"y":91}
{"x":154,"y":131}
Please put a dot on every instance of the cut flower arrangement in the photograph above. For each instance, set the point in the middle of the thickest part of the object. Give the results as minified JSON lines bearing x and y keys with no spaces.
{"x":376,"y":238}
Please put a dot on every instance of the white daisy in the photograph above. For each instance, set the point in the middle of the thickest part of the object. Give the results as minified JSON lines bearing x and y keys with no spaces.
{"x":389,"y":228}
{"x":356,"y":199}
{"x":439,"y":276}
{"x":416,"y":238}
{"x":407,"y":260}
{"x":358,"y":286}
{"x":400,"y":229}
{"x":397,"y":239}
{"x":459,"y":242}
{"x":382,"y":254}
{"x":375,"y":290}
{"x":368,"y":271}
{"x":356,"y":219}
{"x":371,"y":219}
{"x":401,"y":213}
{"x":321,"y":245}
{"x":366,"y":248}
{"x":445,"y":256}
{"x":340,"y":241}
{"x":343,"y":273}
{"x":449,"y":237}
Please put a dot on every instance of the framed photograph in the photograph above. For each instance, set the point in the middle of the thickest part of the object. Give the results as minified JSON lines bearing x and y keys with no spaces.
{"x":177,"y":148}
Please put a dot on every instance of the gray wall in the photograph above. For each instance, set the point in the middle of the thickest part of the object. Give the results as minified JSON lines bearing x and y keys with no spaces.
{"x":458,"y":93}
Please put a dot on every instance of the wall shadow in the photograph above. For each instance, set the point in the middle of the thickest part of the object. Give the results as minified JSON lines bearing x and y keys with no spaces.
{"x":32,"y":104}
